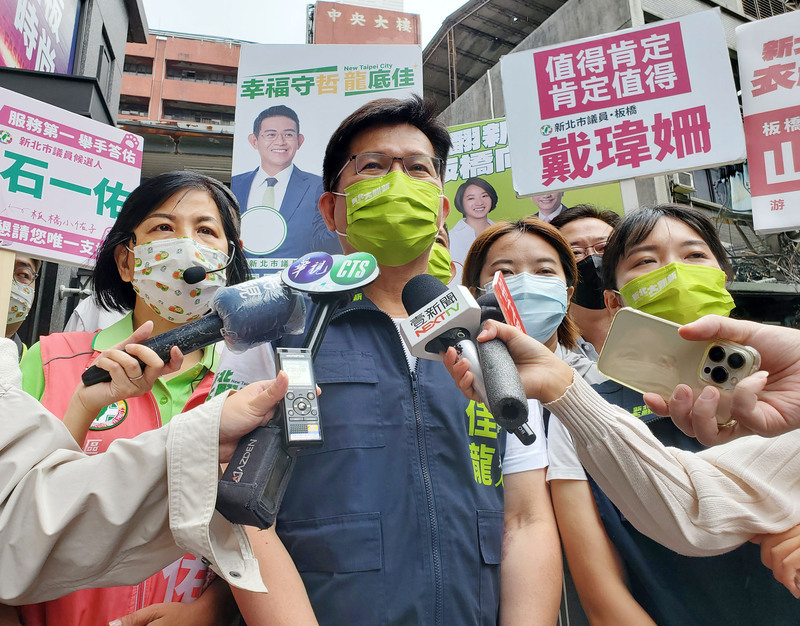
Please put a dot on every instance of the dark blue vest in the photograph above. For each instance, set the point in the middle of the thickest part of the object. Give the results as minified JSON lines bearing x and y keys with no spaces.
{"x":398,"y":517}
{"x":730,"y":589}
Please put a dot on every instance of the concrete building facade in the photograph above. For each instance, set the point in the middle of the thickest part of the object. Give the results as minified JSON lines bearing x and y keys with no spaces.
{"x":179,"y":92}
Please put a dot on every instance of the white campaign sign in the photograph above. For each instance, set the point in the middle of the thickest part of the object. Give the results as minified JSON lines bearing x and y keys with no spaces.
{"x":628,"y":104}
{"x":321,"y":85}
{"x":769,"y":68}
{"x":63,"y":179}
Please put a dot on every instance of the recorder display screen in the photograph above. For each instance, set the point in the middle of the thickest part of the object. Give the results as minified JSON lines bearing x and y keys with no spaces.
{"x":298,"y":370}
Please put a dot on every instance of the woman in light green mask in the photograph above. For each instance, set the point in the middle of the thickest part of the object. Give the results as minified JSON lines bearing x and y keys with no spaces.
{"x":667,"y":261}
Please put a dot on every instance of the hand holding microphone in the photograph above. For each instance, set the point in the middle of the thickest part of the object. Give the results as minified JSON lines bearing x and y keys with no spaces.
{"x":441,"y":319}
{"x":544,"y":376}
{"x":244,"y":315}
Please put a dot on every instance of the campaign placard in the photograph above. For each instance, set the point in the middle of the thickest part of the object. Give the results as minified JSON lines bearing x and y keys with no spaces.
{"x":478,"y":183}
{"x":63,"y":179}
{"x":769,"y":69}
{"x":290,"y":99}
{"x":628,"y":104}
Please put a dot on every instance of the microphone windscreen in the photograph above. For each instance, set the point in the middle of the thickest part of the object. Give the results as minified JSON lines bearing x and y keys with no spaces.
{"x":421,"y":290}
{"x":194,"y":274}
{"x":258,"y":311}
{"x":504,"y":390}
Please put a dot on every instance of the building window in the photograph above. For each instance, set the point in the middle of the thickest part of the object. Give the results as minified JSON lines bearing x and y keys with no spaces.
{"x":198,"y":113}
{"x":760,"y":9}
{"x":133,"y":105}
{"x":197,"y":73}
{"x":138,"y":65}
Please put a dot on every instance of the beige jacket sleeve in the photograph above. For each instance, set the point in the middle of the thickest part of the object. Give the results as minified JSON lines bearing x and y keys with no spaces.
{"x":70,"y":521}
{"x":698,"y":504}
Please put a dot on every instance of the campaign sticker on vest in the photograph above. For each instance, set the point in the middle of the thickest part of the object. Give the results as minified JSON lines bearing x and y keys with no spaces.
{"x":110,"y":416}
{"x":263,"y":230}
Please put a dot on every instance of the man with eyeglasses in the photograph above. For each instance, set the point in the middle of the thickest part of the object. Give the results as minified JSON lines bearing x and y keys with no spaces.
{"x":23,"y":289}
{"x":587,"y":230}
{"x":405,"y":514}
{"x":279,"y":200}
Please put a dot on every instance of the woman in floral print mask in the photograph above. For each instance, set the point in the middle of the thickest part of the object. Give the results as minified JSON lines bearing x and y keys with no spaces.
{"x":168,"y":224}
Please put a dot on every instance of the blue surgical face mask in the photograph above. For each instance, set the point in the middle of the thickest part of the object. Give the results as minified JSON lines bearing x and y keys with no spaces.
{"x":541,"y":302}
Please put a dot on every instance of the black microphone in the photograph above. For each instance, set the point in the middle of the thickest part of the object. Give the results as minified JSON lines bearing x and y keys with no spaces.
{"x":427,"y":301}
{"x":196,"y":273}
{"x":244,"y":315}
{"x":490,"y":310}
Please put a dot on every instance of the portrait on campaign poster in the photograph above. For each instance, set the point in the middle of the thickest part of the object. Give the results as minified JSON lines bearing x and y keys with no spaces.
{"x":478,"y":184}
{"x":290,"y":99}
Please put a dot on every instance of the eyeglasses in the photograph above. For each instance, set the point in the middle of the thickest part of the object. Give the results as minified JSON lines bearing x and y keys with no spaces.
{"x":271,"y":135}
{"x":24,"y":276}
{"x":376,"y":164}
{"x":582,"y":252}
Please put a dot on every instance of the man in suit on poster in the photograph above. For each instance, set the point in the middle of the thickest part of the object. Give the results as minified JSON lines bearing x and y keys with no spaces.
{"x":549,"y":205}
{"x":280,"y":219}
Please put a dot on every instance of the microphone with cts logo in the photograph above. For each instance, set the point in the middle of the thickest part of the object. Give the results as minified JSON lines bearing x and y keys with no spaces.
{"x":451,"y":317}
{"x":252,"y":487}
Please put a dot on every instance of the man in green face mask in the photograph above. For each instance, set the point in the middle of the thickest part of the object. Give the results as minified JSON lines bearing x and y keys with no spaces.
{"x":400,"y":516}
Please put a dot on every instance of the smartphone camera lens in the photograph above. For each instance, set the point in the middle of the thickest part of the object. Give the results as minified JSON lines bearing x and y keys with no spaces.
{"x":719,"y":375}
{"x":716,"y":354}
{"x":735,"y":360}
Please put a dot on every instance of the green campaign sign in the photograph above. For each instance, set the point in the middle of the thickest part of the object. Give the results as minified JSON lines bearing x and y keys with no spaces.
{"x":478,"y":184}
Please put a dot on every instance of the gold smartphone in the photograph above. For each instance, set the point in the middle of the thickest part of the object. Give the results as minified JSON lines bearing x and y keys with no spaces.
{"x":647,"y":354}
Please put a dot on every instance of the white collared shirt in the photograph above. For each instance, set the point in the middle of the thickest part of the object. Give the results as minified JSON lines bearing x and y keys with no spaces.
{"x":256,"y":195}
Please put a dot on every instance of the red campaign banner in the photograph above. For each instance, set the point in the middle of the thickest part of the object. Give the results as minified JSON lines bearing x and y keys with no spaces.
{"x":127,"y":152}
{"x":773,"y":151}
{"x":781,"y":75}
{"x":612,"y":71}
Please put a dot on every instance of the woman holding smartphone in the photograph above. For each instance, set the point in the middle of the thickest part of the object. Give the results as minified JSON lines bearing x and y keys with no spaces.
{"x":667,"y":261}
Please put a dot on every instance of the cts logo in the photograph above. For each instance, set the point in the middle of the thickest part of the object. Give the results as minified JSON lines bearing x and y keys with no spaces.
{"x":430,"y":324}
{"x":352,"y":269}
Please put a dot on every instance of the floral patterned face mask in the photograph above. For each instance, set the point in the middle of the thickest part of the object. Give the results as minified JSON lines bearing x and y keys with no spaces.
{"x":158,"y":277}
{"x":20,"y":303}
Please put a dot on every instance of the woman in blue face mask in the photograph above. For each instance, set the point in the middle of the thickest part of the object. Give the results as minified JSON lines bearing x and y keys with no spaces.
{"x":540,"y":270}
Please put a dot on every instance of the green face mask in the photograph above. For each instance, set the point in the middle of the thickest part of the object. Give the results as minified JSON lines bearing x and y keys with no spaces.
{"x":393,"y":217}
{"x":680,"y":292}
{"x":439,"y":262}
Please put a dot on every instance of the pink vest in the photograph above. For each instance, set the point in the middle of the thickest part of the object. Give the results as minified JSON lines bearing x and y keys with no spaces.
{"x":182,"y":581}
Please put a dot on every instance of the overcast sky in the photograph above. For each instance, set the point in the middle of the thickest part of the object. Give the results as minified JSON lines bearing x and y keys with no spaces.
{"x":266,"y":21}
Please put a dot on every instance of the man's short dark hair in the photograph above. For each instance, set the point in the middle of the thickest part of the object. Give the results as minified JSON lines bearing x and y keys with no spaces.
{"x":584,"y":211}
{"x":279,"y":110}
{"x":384,"y":111}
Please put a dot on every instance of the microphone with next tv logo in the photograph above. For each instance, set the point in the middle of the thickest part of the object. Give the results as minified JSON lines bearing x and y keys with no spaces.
{"x":441,"y":317}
